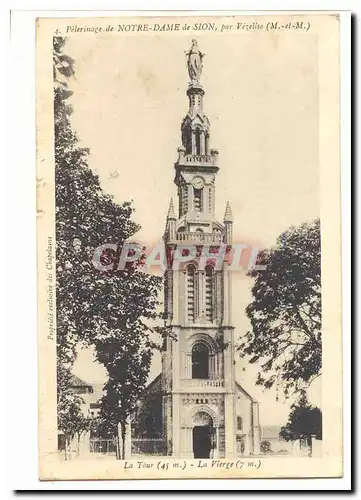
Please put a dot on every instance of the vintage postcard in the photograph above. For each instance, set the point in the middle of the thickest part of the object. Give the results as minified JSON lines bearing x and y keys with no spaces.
{"x":189,"y":267}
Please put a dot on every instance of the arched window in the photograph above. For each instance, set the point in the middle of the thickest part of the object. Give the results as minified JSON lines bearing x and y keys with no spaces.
{"x":209,"y":293}
{"x":239,"y":424}
{"x":200,"y":358}
{"x":187,"y":139}
{"x":191,"y":293}
{"x":198,"y":202}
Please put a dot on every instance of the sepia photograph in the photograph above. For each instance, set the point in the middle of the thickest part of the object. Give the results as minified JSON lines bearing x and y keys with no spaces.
{"x":182,"y":258}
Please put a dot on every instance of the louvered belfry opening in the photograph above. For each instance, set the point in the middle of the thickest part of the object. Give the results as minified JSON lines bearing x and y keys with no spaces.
{"x":190,"y":293}
{"x":209,"y":293}
{"x":197,"y":193}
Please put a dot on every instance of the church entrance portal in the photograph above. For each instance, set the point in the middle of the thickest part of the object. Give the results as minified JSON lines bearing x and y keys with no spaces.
{"x":203,"y":433}
{"x":201,"y":441}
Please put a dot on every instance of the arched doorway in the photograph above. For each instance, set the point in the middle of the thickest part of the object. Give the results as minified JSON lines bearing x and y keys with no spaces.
{"x":203,"y":435}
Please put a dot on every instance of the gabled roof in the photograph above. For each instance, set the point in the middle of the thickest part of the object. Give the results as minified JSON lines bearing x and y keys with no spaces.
{"x":217,"y":225}
{"x":154,"y":383}
{"x":245,"y":392}
{"x":198,"y":119}
{"x":78,"y":382}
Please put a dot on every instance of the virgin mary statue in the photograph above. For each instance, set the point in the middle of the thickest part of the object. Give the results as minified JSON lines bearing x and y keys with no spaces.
{"x":194,"y":62}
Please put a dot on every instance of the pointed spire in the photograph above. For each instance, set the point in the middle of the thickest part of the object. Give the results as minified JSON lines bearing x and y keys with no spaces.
{"x":228,"y":217}
{"x":171,"y":214}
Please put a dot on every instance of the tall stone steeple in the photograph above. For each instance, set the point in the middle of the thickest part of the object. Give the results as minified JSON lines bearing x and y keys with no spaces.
{"x":205,"y":413}
{"x":196,"y":166}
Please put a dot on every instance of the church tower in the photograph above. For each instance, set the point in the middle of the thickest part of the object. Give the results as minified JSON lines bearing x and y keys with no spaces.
{"x":205,"y":412}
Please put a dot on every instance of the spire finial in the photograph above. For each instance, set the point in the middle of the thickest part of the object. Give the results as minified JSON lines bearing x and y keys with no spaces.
{"x":194,"y":62}
{"x":171,"y":214}
{"x":228,"y":217}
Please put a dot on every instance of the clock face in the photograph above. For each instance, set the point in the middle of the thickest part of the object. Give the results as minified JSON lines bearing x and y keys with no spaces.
{"x":198,"y":182}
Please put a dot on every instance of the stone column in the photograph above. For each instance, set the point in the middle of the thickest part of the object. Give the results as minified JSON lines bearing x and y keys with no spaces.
{"x":256,"y":429}
{"x":188,"y":442}
{"x":229,"y":427}
{"x":202,"y":143}
{"x":183,"y":364}
{"x":128,"y":440}
{"x":220,"y":364}
{"x":216,"y":450}
{"x":211,"y":366}
{"x":190,"y":198}
{"x":194,"y":144}
{"x":227,"y":302}
{"x":176,"y":425}
{"x":178,"y":297}
{"x":189,"y":366}
{"x":206,"y":199}
{"x":228,"y":366}
{"x":167,"y":423}
{"x":176,"y":371}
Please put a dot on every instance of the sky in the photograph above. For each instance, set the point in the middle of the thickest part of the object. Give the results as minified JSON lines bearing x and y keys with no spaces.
{"x":261,"y":97}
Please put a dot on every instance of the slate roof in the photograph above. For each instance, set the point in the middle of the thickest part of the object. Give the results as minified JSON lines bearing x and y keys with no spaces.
{"x":78,"y":382}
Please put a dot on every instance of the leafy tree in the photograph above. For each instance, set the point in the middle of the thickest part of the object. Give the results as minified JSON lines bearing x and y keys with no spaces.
{"x":111,"y":310}
{"x":128,"y":365}
{"x":86,"y":218}
{"x":285,"y":312}
{"x":265,"y":447}
{"x":304,"y":421}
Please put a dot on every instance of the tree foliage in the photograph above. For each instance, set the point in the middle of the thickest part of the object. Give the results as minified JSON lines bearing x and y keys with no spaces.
{"x":265,"y":447}
{"x":110,"y":310}
{"x":304,"y":421}
{"x":285,"y":313}
{"x":128,"y":367}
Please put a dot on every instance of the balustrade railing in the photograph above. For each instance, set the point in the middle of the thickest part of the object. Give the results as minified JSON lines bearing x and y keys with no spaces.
{"x":198,"y":159}
{"x":200,"y":237}
{"x":201,"y":383}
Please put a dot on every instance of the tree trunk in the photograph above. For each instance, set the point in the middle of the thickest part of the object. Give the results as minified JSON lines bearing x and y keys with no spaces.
{"x":67,"y":448}
{"x":123,"y":439}
{"x":118,"y":446}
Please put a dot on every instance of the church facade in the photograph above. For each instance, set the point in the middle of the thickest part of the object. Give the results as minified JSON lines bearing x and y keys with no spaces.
{"x":196,"y":403}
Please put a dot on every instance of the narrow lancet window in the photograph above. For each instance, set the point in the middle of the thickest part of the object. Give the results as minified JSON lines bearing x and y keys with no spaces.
{"x":197,"y":200}
{"x":191,"y":293}
{"x":209,"y":293}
